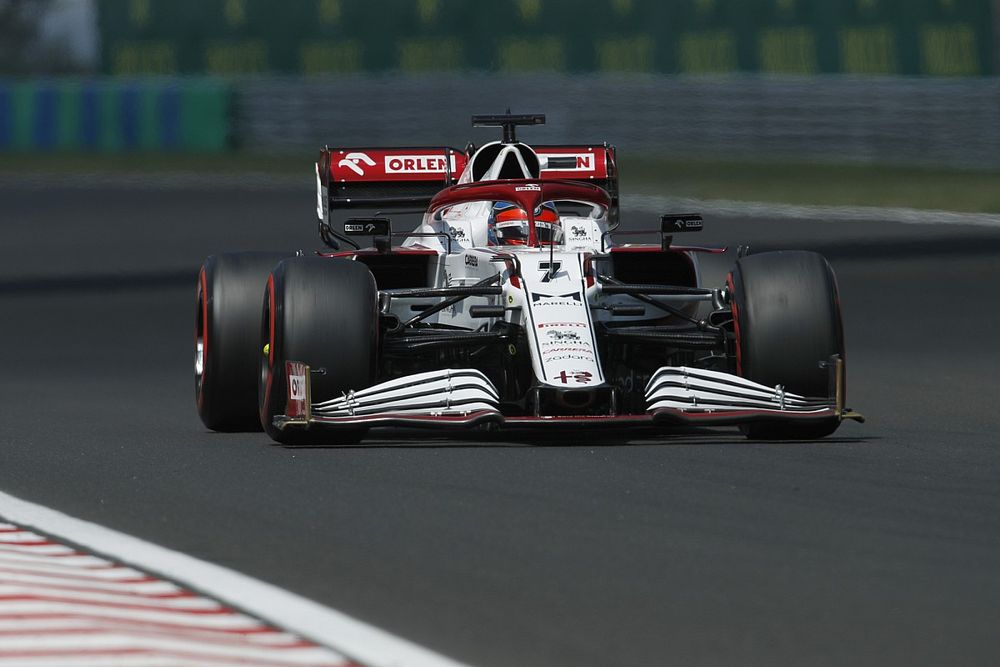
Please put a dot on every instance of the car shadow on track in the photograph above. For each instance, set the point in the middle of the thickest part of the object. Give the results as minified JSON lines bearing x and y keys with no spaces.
{"x":416,"y":439}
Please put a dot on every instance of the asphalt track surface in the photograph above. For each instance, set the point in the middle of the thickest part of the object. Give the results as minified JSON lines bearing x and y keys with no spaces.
{"x":879,"y":546}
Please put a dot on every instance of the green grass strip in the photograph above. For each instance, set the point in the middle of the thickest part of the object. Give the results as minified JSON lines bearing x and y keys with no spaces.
{"x":830,"y":185}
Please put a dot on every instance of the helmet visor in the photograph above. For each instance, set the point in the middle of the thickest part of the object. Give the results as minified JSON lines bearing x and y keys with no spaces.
{"x":512,"y":228}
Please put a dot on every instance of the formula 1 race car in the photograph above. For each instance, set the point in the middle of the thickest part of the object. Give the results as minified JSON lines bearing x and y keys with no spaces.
{"x":511,"y":304}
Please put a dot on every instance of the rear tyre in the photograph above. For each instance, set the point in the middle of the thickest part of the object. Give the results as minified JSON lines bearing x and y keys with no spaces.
{"x":787,"y":314}
{"x":227,"y":325}
{"x":322,"y":312}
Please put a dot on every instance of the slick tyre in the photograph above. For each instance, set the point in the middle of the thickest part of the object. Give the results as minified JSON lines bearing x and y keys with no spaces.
{"x":322,"y":312}
{"x":787,"y":319}
{"x":227,"y":325}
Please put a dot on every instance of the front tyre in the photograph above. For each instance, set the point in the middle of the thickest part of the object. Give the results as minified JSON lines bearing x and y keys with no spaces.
{"x":324,"y":313}
{"x":787,"y":315}
{"x":226,"y":329}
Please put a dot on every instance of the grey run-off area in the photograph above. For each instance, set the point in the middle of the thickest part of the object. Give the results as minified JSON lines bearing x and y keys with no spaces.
{"x":880,"y":546}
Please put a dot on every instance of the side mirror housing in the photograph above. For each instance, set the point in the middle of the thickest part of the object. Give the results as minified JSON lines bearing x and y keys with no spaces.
{"x":380,"y":229}
{"x":672,"y":223}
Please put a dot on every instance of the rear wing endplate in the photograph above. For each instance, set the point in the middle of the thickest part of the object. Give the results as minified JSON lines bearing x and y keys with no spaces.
{"x":387,"y":177}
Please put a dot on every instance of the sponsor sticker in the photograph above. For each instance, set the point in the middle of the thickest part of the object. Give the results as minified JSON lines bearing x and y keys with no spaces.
{"x":563,"y":350}
{"x":568,"y":161}
{"x":559,"y":336}
{"x":418,"y":164}
{"x":552,"y":325}
{"x":373,"y":226}
{"x":472,"y":260}
{"x":574,"y":357}
{"x":571,"y":299}
{"x":557,"y":302}
{"x":577,"y":377}
{"x":356,"y":162}
{"x":680,"y":223}
{"x":297,"y":387}
{"x":296,"y":375}
{"x":531,"y":187}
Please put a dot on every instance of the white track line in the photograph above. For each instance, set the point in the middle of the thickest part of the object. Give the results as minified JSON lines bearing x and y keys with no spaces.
{"x":646,"y":202}
{"x":329,"y":627}
{"x":755,"y":209}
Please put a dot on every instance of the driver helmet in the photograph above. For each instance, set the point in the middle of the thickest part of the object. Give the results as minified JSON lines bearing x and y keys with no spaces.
{"x":509,"y":224}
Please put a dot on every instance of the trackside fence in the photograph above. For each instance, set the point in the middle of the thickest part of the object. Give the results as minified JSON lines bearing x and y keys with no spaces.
{"x":943,"y":122}
{"x":951,"y":122}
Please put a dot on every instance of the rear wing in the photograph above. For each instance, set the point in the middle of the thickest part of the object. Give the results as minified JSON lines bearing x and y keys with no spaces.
{"x":387,"y":178}
{"x":597,"y":165}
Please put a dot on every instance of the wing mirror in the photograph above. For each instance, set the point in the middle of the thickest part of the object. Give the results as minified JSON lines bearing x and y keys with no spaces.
{"x":380,"y":229}
{"x":673,"y":223}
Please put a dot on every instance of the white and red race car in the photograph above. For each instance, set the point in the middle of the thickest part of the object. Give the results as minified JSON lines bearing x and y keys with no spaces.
{"x":511,"y":304}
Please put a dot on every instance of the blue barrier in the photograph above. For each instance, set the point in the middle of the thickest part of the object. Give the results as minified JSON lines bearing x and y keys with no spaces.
{"x":111,"y":115}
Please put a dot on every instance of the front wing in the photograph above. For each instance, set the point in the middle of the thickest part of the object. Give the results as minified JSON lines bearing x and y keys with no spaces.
{"x":466,"y":398}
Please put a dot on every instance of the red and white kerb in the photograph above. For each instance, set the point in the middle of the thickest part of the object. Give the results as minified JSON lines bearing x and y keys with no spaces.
{"x":60,"y":607}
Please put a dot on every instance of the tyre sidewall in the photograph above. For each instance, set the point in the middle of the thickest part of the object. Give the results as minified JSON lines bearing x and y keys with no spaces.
{"x":229,"y":287}
{"x":786,"y":309}
{"x":321,"y":312}
{"x":788,"y":315}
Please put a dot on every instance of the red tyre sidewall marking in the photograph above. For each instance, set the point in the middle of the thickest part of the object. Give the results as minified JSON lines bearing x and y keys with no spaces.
{"x":270,"y":349}
{"x":736,"y":324}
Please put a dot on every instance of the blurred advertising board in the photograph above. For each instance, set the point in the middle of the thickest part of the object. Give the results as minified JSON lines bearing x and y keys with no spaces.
{"x":240,"y":37}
